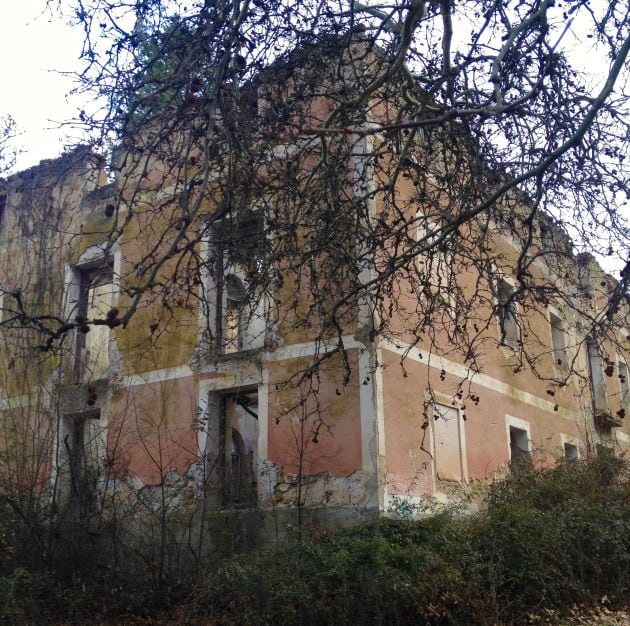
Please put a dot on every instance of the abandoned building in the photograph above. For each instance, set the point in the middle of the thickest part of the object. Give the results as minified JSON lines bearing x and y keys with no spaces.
{"x":217,"y":396}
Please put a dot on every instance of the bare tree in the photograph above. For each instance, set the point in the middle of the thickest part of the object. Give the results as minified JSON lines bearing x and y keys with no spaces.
{"x":7,"y":152}
{"x":314,"y":168}
{"x":428,"y":174}
{"x":387,"y":148}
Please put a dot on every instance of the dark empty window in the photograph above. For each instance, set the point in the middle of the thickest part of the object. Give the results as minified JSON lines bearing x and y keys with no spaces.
{"x":570,"y":451}
{"x":519,"y":448}
{"x":80,"y":452}
{"x":241,"y":239}
{"x":3,"y":207}
{"x":547,"y":238}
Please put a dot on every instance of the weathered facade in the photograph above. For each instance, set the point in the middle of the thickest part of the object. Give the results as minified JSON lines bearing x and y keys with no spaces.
{"x":228,"y":400}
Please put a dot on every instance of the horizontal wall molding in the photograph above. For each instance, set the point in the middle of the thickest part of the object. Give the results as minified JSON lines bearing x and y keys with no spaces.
{"x":462,"y":372}
{"x":157,"y":376}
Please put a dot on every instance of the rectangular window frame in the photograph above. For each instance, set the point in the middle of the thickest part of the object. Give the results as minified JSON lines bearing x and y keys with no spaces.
{"x":438,"y":399}
{"x":522,"y":430}
{"x":225,"y":261}
{"x":596,"y":375}
{"x":77,"y":279}
{"x":558,"y":334}
{"x":439,"y":272}
{"x":82,"y":448}
{"x":214,"y":437}
{"x":104,"y":273}
{"x":507,"y":313}
{"x":570,"y":448}
{"x":624,"y":383}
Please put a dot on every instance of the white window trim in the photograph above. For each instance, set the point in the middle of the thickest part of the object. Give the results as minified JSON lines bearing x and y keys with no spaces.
{"x":598,"y":387}
{"x":424,"y":226}
{"x":511,"y":421}
{"x":506,"y":343}
{"x":558,"y":314}
{"x":98,"y":432}
{"x":209,"y":307}
{"x":564,"y":438}
{"x":621,"y":361}
{"x":222,"y":386}
{"x":90,"y":258}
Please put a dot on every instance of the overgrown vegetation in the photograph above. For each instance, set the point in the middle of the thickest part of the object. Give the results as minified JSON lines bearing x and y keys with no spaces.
{"x":546,"y":539}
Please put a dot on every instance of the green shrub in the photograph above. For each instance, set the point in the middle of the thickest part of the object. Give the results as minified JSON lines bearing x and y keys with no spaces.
{"x":557,"y":537}
{"x":547,"y":539}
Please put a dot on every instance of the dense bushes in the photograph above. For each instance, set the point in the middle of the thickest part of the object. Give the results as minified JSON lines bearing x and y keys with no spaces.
{"x":545,"y":540}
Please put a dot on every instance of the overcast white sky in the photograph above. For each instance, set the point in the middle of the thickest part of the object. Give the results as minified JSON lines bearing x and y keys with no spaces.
{"x":34,"y":46}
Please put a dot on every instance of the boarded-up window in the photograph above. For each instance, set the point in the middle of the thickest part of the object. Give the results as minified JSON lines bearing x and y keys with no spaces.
{"x":447,"y":437}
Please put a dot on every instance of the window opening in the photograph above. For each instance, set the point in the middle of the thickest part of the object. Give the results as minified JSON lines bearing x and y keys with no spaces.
{"x":598,"y":386}
{"x":81,"y":456}
{"x":519,"y":448}
{"x":232,"y":322}
{"x":435,"y":267}
{"x":95,"y":301}
{"x":242,"y":241}
{"x":3,"y":207}
{"x":238,"y":448}
{"x":239,"y":252}
{"x":547,"y":238}
{"x":570,"y":451}
{"x":507,"y":313}
{"x":624,"y":385}
{"x":558,"y":341}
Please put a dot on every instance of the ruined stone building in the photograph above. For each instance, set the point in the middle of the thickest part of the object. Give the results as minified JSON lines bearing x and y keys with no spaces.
{"x":212,"y":394}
